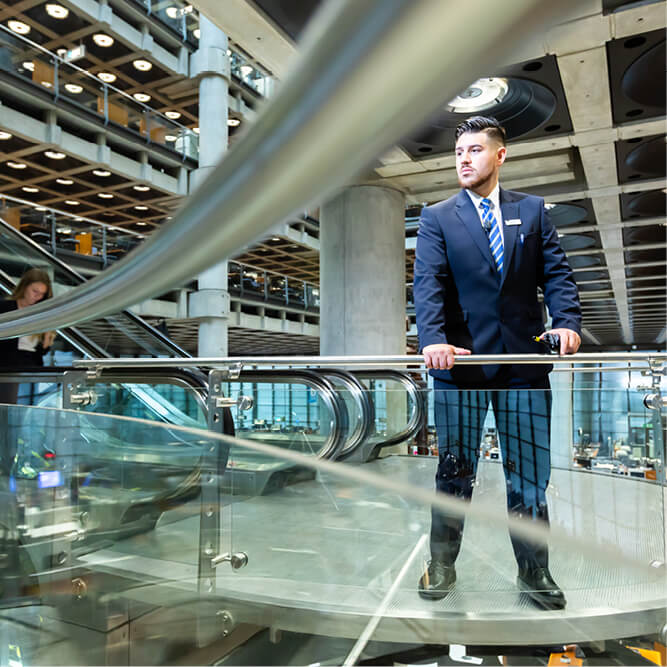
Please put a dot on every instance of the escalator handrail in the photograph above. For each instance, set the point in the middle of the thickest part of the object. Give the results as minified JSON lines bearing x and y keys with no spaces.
{"x":340,"y":103}
{"x":365,"y":405}
{"x":418,"y":415}
{"x":332,"y":400}
{"x":52,"y":260}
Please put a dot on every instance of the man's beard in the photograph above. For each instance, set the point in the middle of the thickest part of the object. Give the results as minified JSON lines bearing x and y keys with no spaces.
{"x":479,"y":181}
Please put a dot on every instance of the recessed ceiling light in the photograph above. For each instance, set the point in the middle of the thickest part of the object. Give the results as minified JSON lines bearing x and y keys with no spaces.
{"x":197,"y":33}
{"x":141,"y":236}
{"x":172,"y":114}
{"x":47,"y":84}
{"x":170,"y":137}
{"x":56,"y":11}
{"x":105,"y":195}
{"x":142,"y":65}
{"x":74,"y":88}
{"x":141,"y":208}
{"x":107,"y":77}
{"x":101,"y":172}
{"x":141,"y":188}
{"x":481,"y":95}
{"x":229,"y":52}
{"x":64,"y":181}
{"x":29,"y":188}
{"x":78,"y":219}
{"x":41,"y":208}
{"x":5,"y":135}
{"x":195,"y":130}
{"x":246,"y":70}
{"x":142,"y":97}
{"x":55,"y":155}
{"x":142,"y":224}
{"x":29,"y":65}
{"x":72,"y":202}
{"x":64,"y":230}
{"x":16,"y":165}
{"x":233,"y":122}
{"x":171,"y":12}
{"x":18,"y":27}
{"x":102,"y":39}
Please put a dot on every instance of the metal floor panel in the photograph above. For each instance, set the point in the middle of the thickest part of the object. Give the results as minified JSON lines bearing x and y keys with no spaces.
{"x":324,"y":553}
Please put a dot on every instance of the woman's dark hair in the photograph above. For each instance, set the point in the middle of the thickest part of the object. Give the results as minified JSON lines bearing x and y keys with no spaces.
{"x":482,"y":124}
{"x":28,"y":278}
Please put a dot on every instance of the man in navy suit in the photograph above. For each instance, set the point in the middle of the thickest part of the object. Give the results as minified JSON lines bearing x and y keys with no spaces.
{"x":481,"y":255}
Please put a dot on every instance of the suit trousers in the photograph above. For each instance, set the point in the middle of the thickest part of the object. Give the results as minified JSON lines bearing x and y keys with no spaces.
{"x":522,"y":412}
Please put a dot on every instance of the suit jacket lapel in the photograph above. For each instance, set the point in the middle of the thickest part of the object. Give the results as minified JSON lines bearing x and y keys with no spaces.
{"x":470,"y":219}
{"x":510,"y":211}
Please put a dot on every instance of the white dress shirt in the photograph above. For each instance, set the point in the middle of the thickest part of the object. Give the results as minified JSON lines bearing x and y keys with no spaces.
{"x":494,"y":196}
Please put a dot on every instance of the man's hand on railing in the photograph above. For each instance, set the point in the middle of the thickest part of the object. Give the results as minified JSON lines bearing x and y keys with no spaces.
{"x":569,"y":340}
{"x":441,"y":355}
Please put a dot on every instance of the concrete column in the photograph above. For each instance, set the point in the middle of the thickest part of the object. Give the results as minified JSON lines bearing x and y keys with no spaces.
{"x":210,"y":304}
{"x":362,"y":272}
{"x":362,"y":281}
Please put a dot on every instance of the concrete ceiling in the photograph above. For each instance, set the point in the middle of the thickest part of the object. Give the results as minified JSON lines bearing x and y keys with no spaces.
{"x":586,"y":118}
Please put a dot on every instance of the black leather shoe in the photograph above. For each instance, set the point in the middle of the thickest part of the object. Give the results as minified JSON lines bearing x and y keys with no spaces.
{"x":437,"y":581}
{"x":538,"y":584}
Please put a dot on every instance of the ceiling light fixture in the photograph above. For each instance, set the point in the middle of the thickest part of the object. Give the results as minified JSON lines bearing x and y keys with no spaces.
{"x":103,"y":40}
{"x":55,"y":155}
{"x":47,"y":84}
{"x":170,"y":137}
{"x":141,"y":188}
{"x":29,"y":65}
{"x":64,"y":181}
{"x":5,"y":135}
{"x":197,"y":33}
{"x":142,"y":97}
{"x":141,"y":208}
{"x":72,"y":202}
{"x":56,"y":11}
{"x":172,"y":12}
{"x":172,"y":114}
{"x":74,"y":88}
{"x":233,"y":122}
{"x":16,"y":165}
{"x":107,"y":77}
{"x":142,"y":224}
{"x":195,"y":130}
{"x":64,"y":230}
{"x":103,"y":173}
{"x":142,"y":65}
{"x":105,"y":195}
{"x":18,"y":27}
{"x":479,"y":96}
{"x":29,"y":188}
{"x":41,"y":208}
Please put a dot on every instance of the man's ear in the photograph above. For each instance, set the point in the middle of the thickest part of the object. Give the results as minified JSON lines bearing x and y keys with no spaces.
{"x":501,"y":154}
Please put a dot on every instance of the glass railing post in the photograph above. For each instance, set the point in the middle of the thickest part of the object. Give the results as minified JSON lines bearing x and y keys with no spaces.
{"x":56,"y":87}
{"x":53,"y":233}
{"x":105,"y":91}
{"x":287,"y":290}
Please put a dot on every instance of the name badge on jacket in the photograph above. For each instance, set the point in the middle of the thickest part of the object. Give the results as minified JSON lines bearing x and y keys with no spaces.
{"x":513,"y":221}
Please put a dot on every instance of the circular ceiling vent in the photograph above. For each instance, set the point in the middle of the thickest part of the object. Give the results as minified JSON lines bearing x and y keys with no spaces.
{"x":564,"y":215}
{"x":576,"y":242}
{"x":518,"y":105}
{"x":649,"y":204}
{"x":648,"y":158}
{"x":644,"y":80}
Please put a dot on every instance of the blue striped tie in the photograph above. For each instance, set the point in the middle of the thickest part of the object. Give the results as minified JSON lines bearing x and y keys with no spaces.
{"x":493,"y":230}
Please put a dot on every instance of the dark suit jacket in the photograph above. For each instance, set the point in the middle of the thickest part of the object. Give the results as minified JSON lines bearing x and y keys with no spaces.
{"x":460,"y":299}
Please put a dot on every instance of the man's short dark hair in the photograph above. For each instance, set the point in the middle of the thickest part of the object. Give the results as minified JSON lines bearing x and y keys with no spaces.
{"x":482,"y":124}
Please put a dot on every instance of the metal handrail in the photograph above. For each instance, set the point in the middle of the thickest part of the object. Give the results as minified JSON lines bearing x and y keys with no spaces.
{"x":377,"y":360}
{"x":340,"y":103}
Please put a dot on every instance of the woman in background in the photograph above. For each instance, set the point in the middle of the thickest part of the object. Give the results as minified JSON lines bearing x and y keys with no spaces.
{"x":25,"y":351}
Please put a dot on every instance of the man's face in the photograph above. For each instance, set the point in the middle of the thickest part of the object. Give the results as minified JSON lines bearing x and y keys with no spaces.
{"x":34,"y":293}
{"x":478,"y":160}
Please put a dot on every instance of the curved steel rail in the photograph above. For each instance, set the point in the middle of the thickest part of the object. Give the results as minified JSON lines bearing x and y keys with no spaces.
{"x":340,"y":103}
{"x":418,"y":414}
{"x":335,"y":440}
{"x":362,"y":401}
